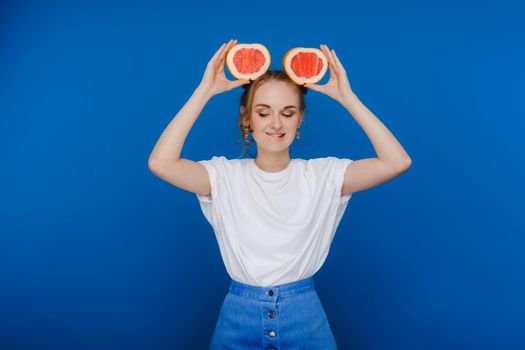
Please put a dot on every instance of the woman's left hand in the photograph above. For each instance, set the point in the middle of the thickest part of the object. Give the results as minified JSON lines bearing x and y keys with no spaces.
{"x":338,"y":87}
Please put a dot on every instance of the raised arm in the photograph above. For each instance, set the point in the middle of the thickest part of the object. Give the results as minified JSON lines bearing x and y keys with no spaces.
{"x":169,"y":146}
{"x":164,"y":160}
{"x":392,"y":159}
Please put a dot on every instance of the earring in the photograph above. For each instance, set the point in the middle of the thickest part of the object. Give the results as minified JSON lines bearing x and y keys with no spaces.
{"x":247,"y":129}
{"x":297,"y":135}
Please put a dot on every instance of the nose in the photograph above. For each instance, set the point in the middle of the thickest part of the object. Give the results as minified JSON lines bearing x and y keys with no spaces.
{"x":277,"y":122}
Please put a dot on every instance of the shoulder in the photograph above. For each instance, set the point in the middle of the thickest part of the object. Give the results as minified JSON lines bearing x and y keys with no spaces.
{"x":321,"y":162}
{"x":222,"y":160}
{"x":222,"y":163}
{"x":325,"y":166}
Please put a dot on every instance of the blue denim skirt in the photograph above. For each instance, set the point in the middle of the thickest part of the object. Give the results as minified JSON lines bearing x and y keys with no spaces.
{"x":288,"y":316}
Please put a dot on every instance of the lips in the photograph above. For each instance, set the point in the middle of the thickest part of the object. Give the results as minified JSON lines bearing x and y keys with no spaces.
{"x":276,"y":135}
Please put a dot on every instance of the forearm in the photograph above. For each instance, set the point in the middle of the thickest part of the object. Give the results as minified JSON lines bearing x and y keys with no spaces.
{"x":387,"y":147}
{"x":169,"y":146}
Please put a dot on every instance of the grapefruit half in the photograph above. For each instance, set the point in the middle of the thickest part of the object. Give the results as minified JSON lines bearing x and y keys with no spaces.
{"x":305,"y":65}
{"x":248,"y":61}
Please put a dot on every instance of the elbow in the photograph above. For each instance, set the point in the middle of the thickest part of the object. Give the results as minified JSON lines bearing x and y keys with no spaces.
{"x":153,"y":165}
{"x":399,"y":166}
{"x":405,"y":165}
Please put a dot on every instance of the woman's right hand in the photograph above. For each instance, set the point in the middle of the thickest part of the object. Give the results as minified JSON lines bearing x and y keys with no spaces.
{"x":214,"y":80}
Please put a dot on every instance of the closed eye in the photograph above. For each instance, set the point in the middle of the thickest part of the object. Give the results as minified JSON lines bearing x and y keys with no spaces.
{"x":286,"y":115}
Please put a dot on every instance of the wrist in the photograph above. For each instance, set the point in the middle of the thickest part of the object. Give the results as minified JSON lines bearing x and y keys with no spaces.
{"x":203,"y":91}
{"x":349,"y":98}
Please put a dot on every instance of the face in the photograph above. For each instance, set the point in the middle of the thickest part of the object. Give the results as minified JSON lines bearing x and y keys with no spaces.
{"x":275,"y":111}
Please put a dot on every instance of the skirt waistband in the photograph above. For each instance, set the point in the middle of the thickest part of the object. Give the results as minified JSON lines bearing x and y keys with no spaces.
{"x":272,"y":292}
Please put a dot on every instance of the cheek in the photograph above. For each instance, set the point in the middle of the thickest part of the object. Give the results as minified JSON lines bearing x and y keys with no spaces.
{"x":260,"y":123}
{"x":292,"y":123}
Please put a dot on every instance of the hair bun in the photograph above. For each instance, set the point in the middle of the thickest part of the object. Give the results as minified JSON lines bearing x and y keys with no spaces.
{"x":304,"y":89}
{"x":246,"y":86}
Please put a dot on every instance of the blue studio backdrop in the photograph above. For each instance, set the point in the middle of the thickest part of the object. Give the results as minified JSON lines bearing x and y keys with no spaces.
{"x":96,"y":252}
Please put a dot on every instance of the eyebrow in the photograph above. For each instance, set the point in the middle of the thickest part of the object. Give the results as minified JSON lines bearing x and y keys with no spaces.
{"x":262,"y":104}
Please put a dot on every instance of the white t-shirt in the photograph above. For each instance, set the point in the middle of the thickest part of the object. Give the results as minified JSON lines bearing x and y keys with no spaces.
{"x":274,"y":227}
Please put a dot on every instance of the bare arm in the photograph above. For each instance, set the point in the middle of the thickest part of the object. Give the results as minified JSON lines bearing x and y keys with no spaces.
{"x":169,"y":146}
{"x":392,"y":159}
{"x":388,"y":149}
{"x":165,"y":161}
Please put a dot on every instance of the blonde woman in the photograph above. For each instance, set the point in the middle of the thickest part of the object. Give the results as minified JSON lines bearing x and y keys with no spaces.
{"x":274,"y":217}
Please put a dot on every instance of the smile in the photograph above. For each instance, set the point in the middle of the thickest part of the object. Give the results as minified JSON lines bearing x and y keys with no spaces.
{"x":276,"y":136}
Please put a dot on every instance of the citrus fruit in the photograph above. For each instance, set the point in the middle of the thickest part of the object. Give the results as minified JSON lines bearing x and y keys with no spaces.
{"x":248,"y":61}
{"x":305,"y":65}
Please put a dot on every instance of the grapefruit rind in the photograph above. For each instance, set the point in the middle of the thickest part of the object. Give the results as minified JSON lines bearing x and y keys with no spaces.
{"x":251,"y":76}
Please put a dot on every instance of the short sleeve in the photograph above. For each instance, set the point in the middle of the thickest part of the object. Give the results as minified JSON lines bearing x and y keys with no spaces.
{"x":337,"y":175}
{"x":209,"y":204}
{"x":213,"y":167}
{"x":329,"y":175}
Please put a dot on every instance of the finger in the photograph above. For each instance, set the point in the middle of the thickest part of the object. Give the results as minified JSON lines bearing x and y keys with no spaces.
{"x":331,"y":65}
{"x":213,"y":59}
{"x":238,"y":83}
{"x":218,"y":52}
{"x":315,"y":87}
{"x":230,"y":44}
{"x":334,"y":63}
{"x":338,"y":61}
{"x":217,"y":57}
{"x":323,"y":49}
{"x":328,"y":55}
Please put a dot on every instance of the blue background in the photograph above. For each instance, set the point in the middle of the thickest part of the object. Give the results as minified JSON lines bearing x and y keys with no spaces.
{"x":96,"y":252}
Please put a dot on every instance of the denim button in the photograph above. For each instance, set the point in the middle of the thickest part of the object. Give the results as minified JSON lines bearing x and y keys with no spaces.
{"x":271,"y":314}
{"x":271,"y":334}
{"x":270,"y":293}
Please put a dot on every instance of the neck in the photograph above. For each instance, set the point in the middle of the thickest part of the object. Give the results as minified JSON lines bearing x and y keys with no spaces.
{"x":273,"y":162}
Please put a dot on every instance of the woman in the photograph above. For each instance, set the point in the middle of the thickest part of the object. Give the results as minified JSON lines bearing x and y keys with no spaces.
{"x":274,"y":217}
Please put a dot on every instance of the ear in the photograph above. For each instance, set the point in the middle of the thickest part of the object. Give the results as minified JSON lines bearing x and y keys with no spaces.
{"x":242,"y":109}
